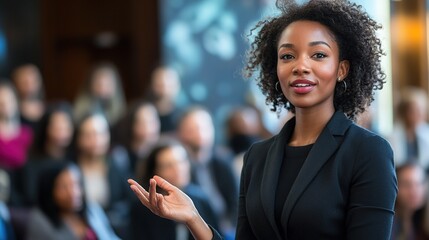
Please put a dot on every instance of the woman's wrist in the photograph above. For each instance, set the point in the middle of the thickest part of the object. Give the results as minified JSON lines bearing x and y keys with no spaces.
{"x":198,"y":227}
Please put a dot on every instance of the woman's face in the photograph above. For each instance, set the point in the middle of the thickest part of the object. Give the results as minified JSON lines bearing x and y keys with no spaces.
{"x":67,"y":191}
{"x":308,"y":65}
{"x":173,"y":165}
{"x":94,"y":137}
{"x":411,"y":188}
{"x":8,"y":103}
{"x":146,"y":124}
{"x":60,"y":129}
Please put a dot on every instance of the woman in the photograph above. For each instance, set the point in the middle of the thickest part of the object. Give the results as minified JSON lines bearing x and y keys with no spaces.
{"x":55,"y":134}
{"x":169,"y":160}
{"x":28,"y":82}
{"x":410,"y":135}
{"x":103,"y":92}
{"x":142,"y":133}
{"x":53,"y":142}
{"x":410,"y":219}
{"x":321,"y":177}
{"x":103,"y":177}
{"x":63,"y":212}
{"x":15,"y":139}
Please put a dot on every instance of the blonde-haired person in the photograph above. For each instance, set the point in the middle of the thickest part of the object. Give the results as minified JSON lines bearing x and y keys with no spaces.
{"x":410,"y":135}
{"x":102,"y":92}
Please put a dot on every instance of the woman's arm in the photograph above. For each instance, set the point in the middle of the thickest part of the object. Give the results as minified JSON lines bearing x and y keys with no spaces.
{"x":373,"y":192}
{"x":175,"y":205}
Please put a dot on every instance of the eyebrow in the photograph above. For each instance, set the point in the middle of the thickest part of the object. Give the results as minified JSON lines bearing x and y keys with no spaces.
{"x":290,"y":45}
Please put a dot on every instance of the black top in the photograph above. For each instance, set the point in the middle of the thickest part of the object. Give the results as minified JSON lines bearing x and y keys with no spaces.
{"x":346,"y":188}
{"x":293,"y":160}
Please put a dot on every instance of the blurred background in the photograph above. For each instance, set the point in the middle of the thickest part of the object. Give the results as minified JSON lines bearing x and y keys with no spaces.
{"x":127,"y":74}
{"x":204,"y":40}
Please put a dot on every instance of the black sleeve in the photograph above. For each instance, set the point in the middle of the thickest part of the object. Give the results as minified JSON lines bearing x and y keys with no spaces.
{"x":372,"y":192}
{"x":244,"y":230}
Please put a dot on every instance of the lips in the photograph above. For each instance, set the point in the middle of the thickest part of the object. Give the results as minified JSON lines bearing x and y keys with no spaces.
{"x":302,"y":86}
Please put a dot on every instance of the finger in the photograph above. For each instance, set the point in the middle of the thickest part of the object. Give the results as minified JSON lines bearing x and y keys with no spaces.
{"x":164,"y":184}
{"x":161,"y":205}
{"x":142,"y":190}
{"x":152,"y":193}
{"x":140,"y":195}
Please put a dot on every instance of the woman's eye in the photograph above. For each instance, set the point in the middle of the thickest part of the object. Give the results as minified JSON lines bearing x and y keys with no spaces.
{"x":286,"y":56}
{"x":319,"y":55}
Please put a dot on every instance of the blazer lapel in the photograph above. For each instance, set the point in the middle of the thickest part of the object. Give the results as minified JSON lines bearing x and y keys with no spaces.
{"x":271,"y":170}
{"x":322,"y":150}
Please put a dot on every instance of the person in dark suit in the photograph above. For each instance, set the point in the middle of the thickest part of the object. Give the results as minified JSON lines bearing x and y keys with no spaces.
{"x":210,"y":169}
{"x":322,"y":176}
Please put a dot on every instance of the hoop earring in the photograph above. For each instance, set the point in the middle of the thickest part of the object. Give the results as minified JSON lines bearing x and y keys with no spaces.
{"x":344,"y":84}
{"x":277,"y":87}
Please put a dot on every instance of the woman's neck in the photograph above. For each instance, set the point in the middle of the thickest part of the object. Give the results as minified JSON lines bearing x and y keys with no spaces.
{"x":308,"y":125}
{"x":8,"y":127}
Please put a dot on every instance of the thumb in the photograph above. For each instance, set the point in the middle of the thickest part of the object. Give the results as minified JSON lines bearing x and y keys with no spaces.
{"x":164,"y":184}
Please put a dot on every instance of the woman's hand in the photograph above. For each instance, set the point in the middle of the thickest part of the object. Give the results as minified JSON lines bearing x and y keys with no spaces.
{"x":175,"y":205}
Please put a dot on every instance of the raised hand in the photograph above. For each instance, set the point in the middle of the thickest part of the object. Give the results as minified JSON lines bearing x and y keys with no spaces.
{"x":175,"y":205}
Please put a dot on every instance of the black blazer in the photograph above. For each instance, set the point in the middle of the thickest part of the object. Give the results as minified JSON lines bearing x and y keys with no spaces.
{"x":346,"y":188}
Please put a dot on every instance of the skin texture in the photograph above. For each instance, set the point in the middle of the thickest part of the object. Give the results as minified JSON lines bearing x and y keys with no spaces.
{"x":307,"y":51}
{"x":175,"y":205}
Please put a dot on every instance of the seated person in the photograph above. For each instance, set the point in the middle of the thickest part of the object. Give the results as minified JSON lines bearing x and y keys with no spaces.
{"x":410,"y":204}
{"x":63,"y":212}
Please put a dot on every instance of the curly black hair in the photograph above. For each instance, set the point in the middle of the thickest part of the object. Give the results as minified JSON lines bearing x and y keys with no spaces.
{"x":355,"y":34}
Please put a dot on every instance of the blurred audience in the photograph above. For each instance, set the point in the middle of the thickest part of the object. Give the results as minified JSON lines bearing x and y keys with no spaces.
{"x":410,"y":136}
{"x":104,"y":181}
{"x":55,"y":133}
{"x":169,"y":160}
{"x":163,"y":92}
{"x":15,"y":138}
{"x":210,"y":170}
{"x":102,"y":92}
{"x":243,"y":129}
{"x":142,"y":131}
{"x":29,"y":87}
{"x":52,"y":144}
{"x":63,"y":212}
{"x":409,"y":221}
{"x":6,"y":224}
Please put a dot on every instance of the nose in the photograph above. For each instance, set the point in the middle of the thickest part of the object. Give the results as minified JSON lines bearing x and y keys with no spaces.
{"x":301,"y":67}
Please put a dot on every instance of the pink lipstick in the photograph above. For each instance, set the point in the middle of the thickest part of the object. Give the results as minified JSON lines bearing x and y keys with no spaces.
{"x":302,"y":86}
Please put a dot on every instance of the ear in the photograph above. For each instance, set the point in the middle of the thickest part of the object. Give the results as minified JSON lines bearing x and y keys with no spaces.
{"x":343,"y":69}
